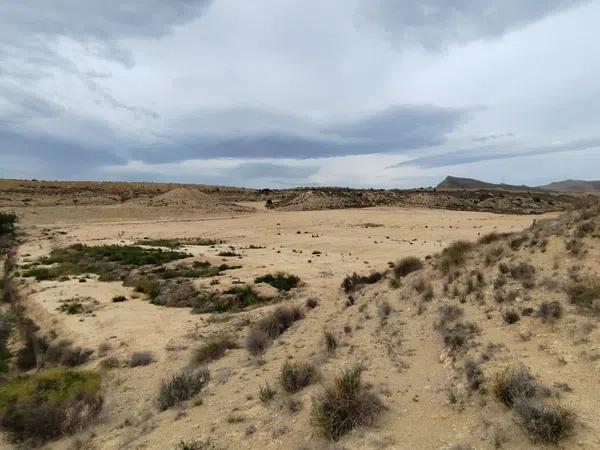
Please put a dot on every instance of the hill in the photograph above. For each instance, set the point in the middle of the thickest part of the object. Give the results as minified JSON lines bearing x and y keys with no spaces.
{"x":573,"y":186}
{"x":557,"y":186}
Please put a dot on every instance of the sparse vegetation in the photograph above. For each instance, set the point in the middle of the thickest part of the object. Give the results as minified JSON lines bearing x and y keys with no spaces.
{"x":511,"y":316}
{"x":344,"y":405}
{"x":543,"y":421}
{"x":330,"y":340}
{"x":280,"y":281}
{"x":178,"y":242}
{"x":407,"y":265}
{"x":266,"y":393}
{"x":49,"y":404}
{"x":109,"y":262}
{"x":295,"y":376}
{"x":454,"y":255}
{"x":265,"y":330}
{"x":8,"y":221}
{"x":312,"y":303}
{"x":182,"y":387}
{"x":585,"y":293}
{"x":354,"y":282}
{"x":549,"y":311}
{"x":138,"y":359}
{"x":473,"y":374}
{"x":214,"y":348}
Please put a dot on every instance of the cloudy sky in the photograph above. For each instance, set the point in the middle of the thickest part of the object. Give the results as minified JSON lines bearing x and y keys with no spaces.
{"x":278,"y":93}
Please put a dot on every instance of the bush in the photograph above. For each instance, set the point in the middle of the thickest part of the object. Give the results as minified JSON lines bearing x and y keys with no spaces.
{"x":544,"y":422}
{"x":182,"y":387}
{"x":147,"y":286}
{"x":524,"y":272}
{"x":7,"y":222}
{"x":140,"y":359}
{"x":312,"y":303}
{"x":384,"y":309}
{"x":454,"y":255}
{"x":280,"y":281}
{"x":265,"y":393}
{"x":119,"y":299}
{"x":354,"y":282}
{"x":407,"y":265}
{"x":473,"y":374}
{"x":344,"y":405}
{"x":214,"y":348}
{"x":515,"y":384}
{"x":491,"y":237}
{"x":330,"y":340}
{"x":196,"y":444}
{"x":549,"y":311}
{"x":271,"y":326}
{"x":458,"y":335}
{"x":584,"y":293}
{"x":49,"y":404}
{"x":178,"y":242}
{"x":511,"y":316}
{"x":296,"y":376}
{"x":448,"y":313}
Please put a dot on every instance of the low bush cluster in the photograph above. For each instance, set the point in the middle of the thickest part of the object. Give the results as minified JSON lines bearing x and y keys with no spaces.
{"x":280,"y":281}
{"x":344,"y":405}
{"x":543,"y":420}
{"x":181,"y":387}
{"x":454,"y":255}
{"x":49,"y":404}
{"x":268,"y":328}
{"x":295,"y":376}
{"x":214,"y":348}
{"x":407,"y":265}
{"x":354,"y":282}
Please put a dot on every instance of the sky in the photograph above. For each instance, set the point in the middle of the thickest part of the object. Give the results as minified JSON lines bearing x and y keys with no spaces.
{"x":283,"y":93}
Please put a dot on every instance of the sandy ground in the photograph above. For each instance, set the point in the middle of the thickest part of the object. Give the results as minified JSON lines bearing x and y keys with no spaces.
{"x":362,"y":240}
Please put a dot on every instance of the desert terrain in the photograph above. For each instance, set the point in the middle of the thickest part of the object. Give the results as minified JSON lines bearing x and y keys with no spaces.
{"x":215,"y":318}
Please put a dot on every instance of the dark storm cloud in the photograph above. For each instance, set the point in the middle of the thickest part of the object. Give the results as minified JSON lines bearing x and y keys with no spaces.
{"x":494,"y":152}
{"x":270,"y":171}
{"x":394,"y":129}
{"x":435,"y":24}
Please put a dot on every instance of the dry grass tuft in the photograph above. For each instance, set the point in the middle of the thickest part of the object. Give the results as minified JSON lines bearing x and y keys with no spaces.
{"x":344,"y":405}
{"x":214,"y":348}
{"x":295,"y":376}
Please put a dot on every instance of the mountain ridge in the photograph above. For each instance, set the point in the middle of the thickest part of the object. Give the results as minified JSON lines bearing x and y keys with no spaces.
{"x":569,"y":185}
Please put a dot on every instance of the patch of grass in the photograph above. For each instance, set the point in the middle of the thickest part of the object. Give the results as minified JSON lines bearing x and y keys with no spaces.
{"x":493,"y":236}
{"x":272,"y":326}
{"x":312,"y":303}
{"x":214,"y":348}
{"x":295,"y":376}
{"x":407,"y":265}
{"x":71,"y":307}
{"x":344,"y":405}
{"x":228,"y":254}
{"x":234,"y":299}
{"x":454,"y":255}
{"x":473,"y":374}
{"x":109,"y":262}
{"x":49,"y":404}
{"x":544,"y":422}
{"x":178,"y":242}
{"x":196,"y":444}
{"x":585,"y":293}
{"x":354,"y":282}
{"x":147,"y":286}
{"x":523,"y":272}
{"x":515,"y":383}
{"x":138,"y":359}
{"x":511,"y":316}
{"x":266,"y":393}
{"x":7,"y":321}
{"x":549,"y":311}
{"x":280,"y":281}
{"x":182,"y":387}
{"x":330,"y":340}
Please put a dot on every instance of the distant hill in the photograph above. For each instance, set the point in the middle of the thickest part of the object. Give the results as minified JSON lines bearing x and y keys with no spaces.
{"x":573,"y":186}
{"x":470,"y":183}
{"x":558,"y":186}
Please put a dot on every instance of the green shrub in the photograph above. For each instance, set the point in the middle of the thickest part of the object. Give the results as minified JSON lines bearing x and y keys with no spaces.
{"x":7,"y":222}
{"x":454,"y":255}
{"x":265,"y":393}
{"x":182,"y":387}
{"x":295,"y":376}
{"x":344,"y":405}
{"x":178,"y":242}
{"x":49,"y":404}
{"x":271,"y":326}
{"x":147,"y":286}
{"x":214,"y":348}
{"x":407,"y":265}
{"x":280,"y":281}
